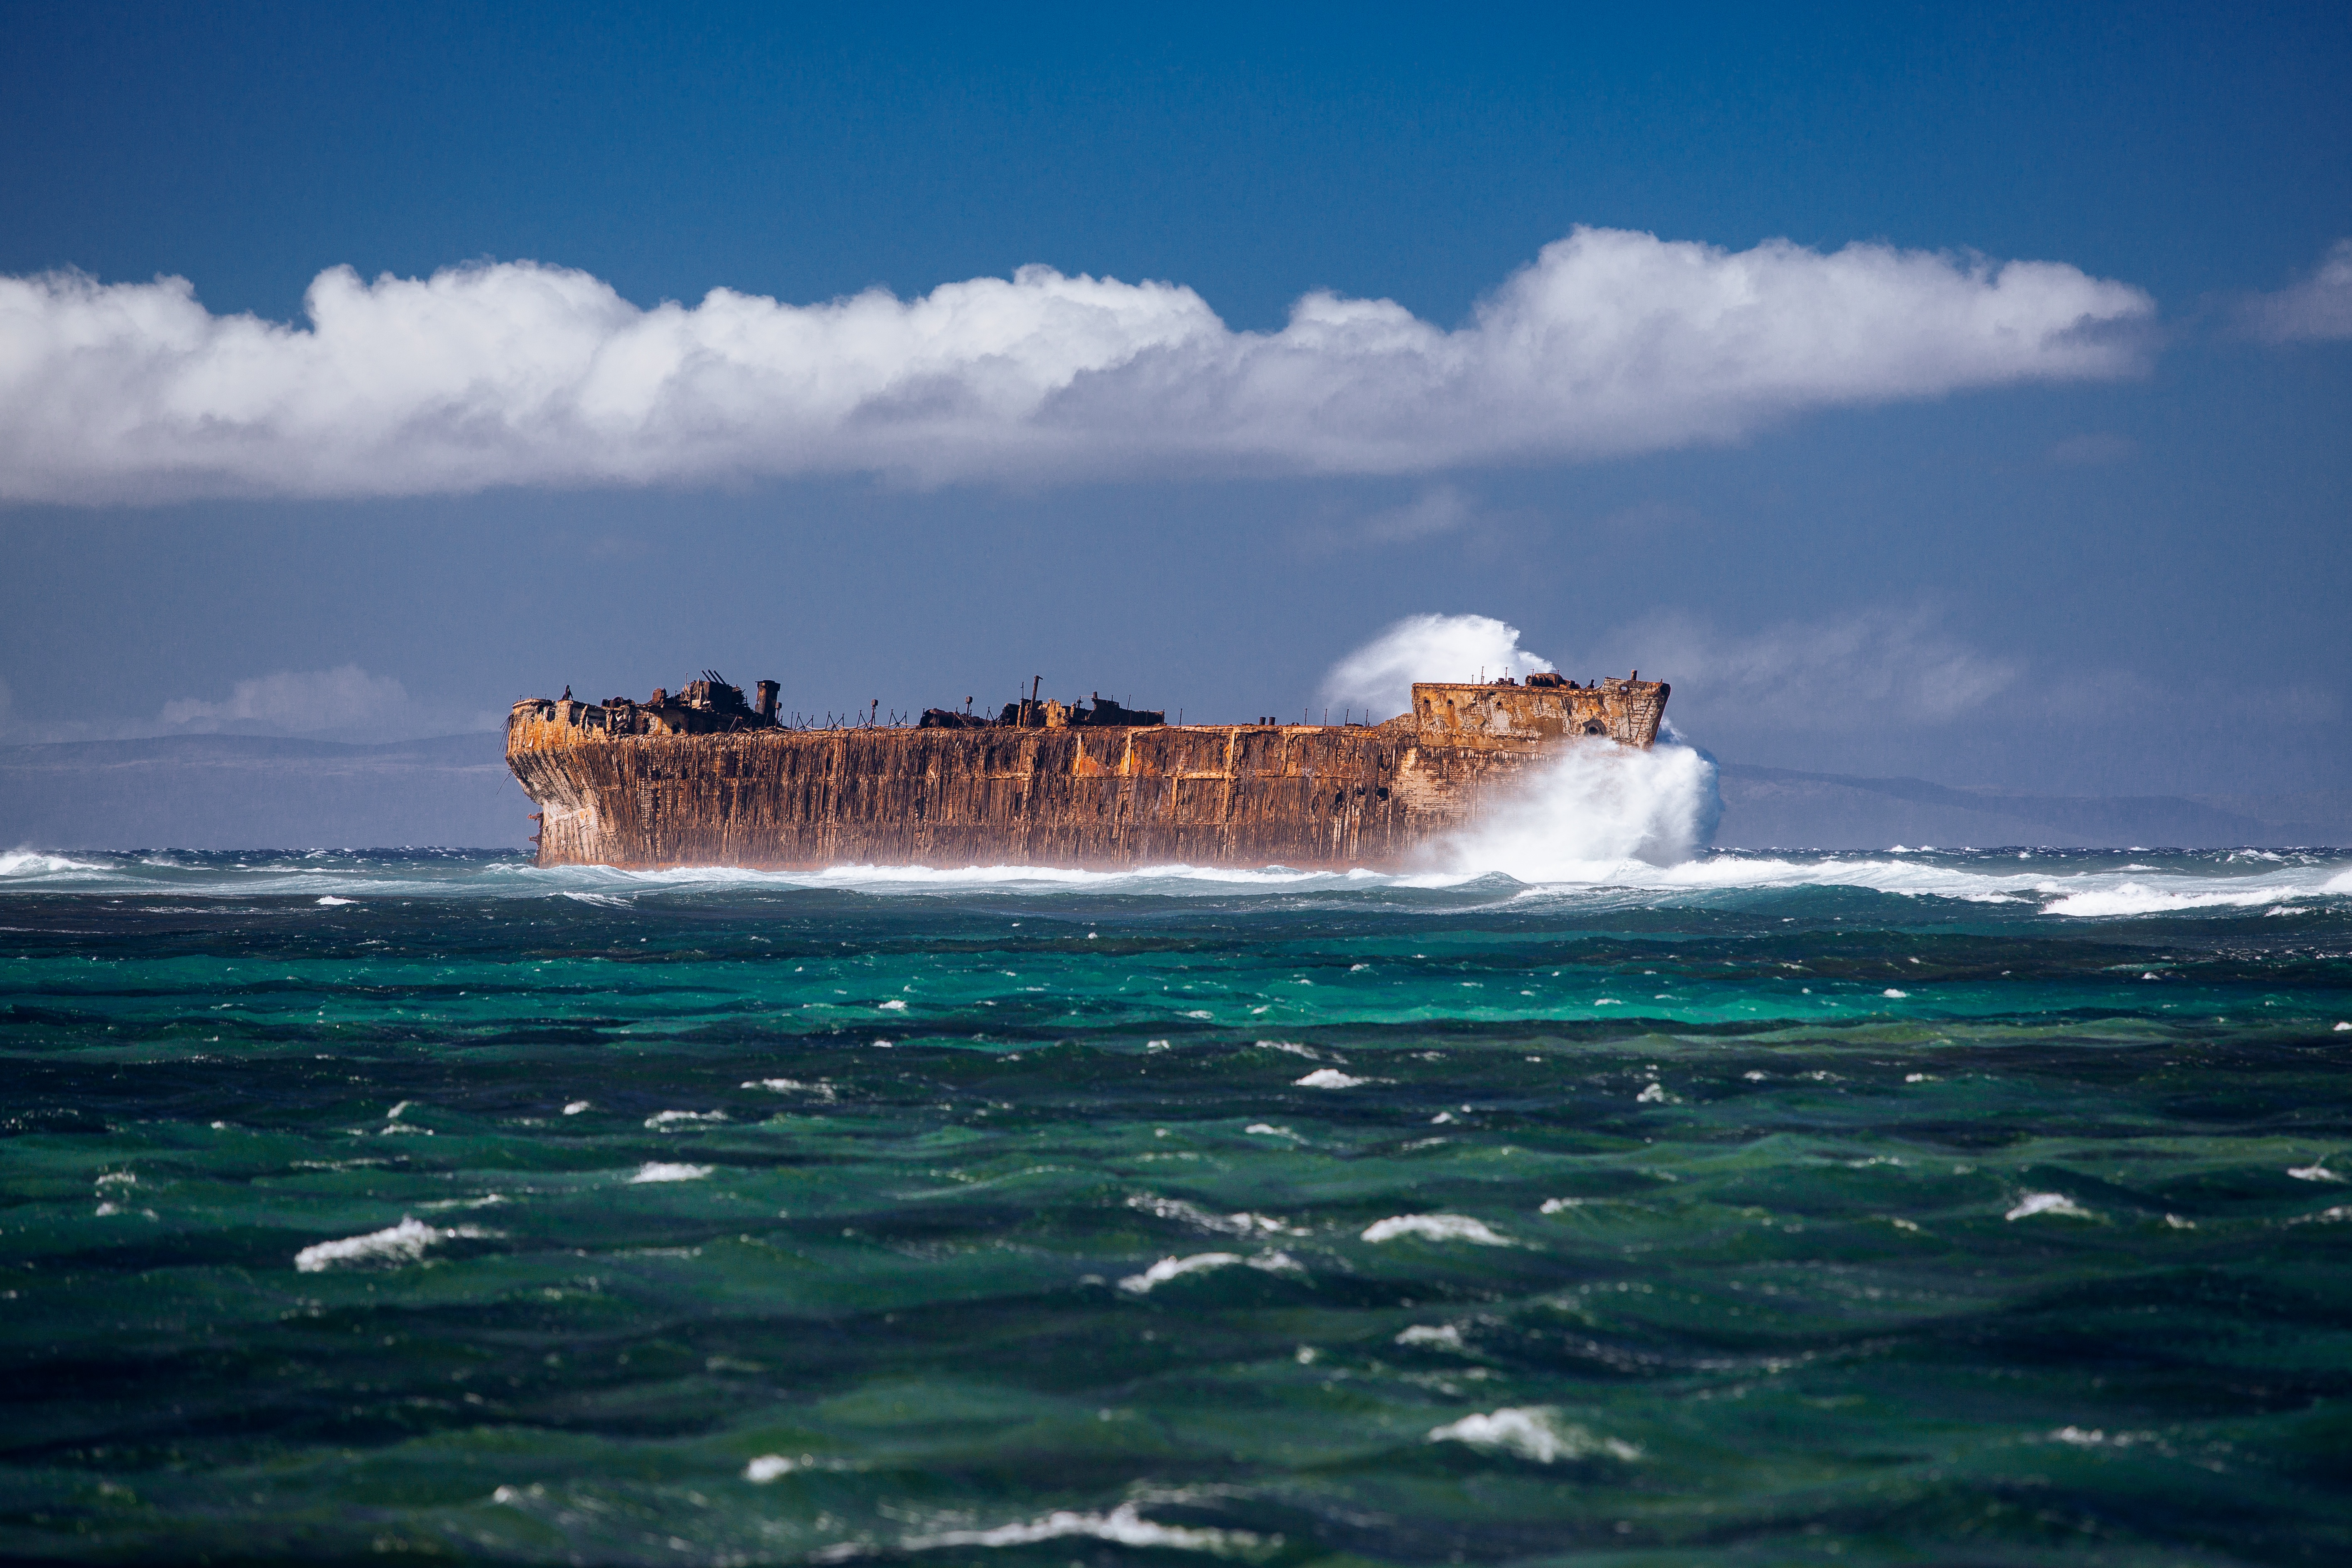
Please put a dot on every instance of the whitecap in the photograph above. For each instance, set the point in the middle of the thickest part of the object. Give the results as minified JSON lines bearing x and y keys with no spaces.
{"x":2136,"y":898}
{"x":403,"y":1243}
{"x":790,"y":1086}
{"x":1243,"y":1224}
{"x":1169,"y":1269}
{"x":2033,"y":1203}
{"x":664,"y":1120}
{"x":664,"y":1171}
{"x":1531,"y":1433}
{"x":1329,"y":1078}
{"x":1444,"y":1336}
{"x":1124,"y":1525}
{"x":30,"y":863}
{"x":1436,"y":1227}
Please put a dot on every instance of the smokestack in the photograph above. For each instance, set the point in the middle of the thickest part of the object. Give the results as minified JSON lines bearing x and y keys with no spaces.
{"x":766,"y":704}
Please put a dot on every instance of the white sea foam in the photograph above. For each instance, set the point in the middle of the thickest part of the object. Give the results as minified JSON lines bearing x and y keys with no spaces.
{"x":2138,"y":898}
{"x":663,"y":1120}
{"x":1329,"y":1078}
{"x":2033,"y":1203}
{"x":821,"y":1088}
{"x":665,"y":1171}
{"x":767,"y":1467}
{"x":1436,"y":1227}
{"x":1124,"y":1525}
{"x":1594,"y":811}
{"x":1443,"y":1335}
{"x":1531,"y":1433}
{"x":1604,"y":824}
{"x":1243,"y":1224}
{"x":402,"y":1243}
{"x":32,"y":865}
{"x":1169,"y":1269}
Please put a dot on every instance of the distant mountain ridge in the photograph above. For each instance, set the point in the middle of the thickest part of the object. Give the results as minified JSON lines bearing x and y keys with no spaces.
{"x":249,"y":792}
{"x":1782,"y":808}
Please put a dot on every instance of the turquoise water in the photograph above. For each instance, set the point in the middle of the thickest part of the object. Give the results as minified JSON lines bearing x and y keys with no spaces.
{"x":1968,"y":1208}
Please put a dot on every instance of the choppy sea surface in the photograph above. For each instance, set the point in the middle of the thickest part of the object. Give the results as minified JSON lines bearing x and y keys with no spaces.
{"x":1983,"y":1208}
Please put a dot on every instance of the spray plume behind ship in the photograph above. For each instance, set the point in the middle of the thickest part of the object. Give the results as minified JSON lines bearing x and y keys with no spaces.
{"x":705,"y":777}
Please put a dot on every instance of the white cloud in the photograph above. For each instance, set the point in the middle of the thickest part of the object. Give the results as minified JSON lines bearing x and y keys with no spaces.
{"x":344,"y":698}
{"x":1379,"y":676}
{"x":345,"y":703}
{"x":2318,"y":308}
{"x":342,"y":704}
{"x":520,"y":373}
{"x":1871,"y":669}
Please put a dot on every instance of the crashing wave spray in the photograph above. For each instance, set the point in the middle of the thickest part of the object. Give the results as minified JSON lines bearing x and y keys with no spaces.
{"x":1596,"y":807}
{"x":1599,"y":806}
{"x":1379,"y":676}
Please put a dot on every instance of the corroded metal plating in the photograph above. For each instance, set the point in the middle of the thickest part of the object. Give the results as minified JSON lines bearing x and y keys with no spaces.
{"x":664,"y":786}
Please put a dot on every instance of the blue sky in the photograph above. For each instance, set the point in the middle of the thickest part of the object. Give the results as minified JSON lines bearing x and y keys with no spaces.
{"x":2113,"y":558}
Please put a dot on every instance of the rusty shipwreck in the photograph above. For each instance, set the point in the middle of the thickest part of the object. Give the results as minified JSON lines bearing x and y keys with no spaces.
{"x":707,"y":778}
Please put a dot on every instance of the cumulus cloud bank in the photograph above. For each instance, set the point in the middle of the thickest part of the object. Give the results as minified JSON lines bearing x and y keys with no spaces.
{"x":521,"y":373}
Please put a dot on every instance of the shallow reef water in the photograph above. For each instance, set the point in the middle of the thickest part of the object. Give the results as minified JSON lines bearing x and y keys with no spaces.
{"x":1983,"y":1207}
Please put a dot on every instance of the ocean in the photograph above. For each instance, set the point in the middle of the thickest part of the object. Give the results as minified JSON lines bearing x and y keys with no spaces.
{"x":1980,"y":1207}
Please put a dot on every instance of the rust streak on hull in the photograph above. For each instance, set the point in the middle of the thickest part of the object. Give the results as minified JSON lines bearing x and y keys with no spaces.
{"x":1093,"y":796}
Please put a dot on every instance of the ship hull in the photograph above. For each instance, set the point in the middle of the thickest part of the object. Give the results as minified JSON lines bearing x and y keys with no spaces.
{"x":1329,"y":797}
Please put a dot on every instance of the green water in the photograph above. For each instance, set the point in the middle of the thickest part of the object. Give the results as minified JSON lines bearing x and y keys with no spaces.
{"x":1768,"y":1212}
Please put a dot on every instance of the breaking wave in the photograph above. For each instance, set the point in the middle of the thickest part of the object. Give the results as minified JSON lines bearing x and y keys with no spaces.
{"x":24,"y":865}
{"x":1614,"y":829}
{"x":1597,"y":810}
